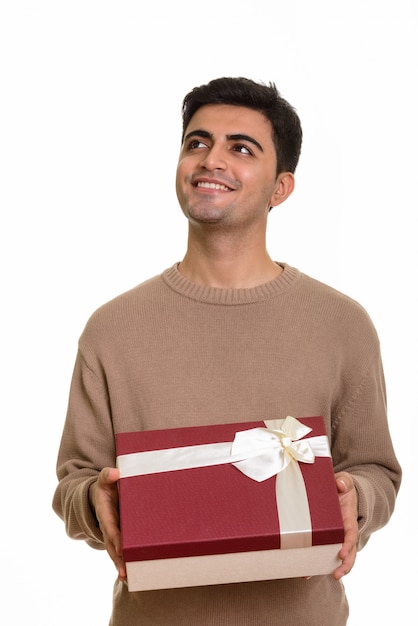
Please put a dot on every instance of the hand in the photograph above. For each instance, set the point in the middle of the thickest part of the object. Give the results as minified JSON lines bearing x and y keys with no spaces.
{"x":105,"y":500}
{"x":348,"y":502}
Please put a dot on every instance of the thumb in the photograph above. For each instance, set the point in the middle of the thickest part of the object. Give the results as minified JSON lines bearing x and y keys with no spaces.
{"x":344,"y":483}
{"x":341,"y":485}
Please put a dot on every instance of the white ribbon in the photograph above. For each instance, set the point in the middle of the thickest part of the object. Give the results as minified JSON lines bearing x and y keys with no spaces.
{"x":259,"y":453}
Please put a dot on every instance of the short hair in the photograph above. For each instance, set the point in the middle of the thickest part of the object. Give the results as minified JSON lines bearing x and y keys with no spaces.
{"x":265,"y":98}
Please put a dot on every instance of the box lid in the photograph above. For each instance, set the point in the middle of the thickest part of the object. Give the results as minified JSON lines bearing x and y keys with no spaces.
{"x":215,"y":509}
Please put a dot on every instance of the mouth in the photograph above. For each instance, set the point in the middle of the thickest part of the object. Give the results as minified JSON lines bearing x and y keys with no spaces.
{"x":200,"y":184}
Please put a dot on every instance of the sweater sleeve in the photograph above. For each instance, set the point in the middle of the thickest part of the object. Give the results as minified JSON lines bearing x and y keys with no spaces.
{"x":87,"y":446}
{"x":362,"y":446}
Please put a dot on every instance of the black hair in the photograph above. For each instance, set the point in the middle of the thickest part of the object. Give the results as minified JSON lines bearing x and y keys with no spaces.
{"x":265,"y":98}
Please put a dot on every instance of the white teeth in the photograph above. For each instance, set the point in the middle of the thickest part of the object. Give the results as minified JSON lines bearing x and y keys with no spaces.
{"x":212,"y":186}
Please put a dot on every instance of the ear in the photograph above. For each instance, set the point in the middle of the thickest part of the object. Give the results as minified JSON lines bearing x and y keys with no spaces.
{"x":285,"y":184}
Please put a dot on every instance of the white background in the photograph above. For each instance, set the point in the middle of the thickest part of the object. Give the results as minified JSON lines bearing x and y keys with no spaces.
{"x":89,"y":137}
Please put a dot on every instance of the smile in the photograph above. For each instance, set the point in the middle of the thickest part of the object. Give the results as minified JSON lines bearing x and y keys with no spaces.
{"x":217,"y":186}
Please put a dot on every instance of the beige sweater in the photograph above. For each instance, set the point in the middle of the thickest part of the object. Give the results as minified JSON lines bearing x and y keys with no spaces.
{"x":170,"y":353}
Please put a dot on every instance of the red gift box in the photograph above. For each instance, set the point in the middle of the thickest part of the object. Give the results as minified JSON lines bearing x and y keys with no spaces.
{"x":192,"y":512}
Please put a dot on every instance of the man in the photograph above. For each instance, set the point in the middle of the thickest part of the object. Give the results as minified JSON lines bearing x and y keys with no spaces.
{"x":229,"y":335}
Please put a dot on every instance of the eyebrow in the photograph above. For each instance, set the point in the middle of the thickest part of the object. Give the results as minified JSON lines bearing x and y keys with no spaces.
{"x":235,"y":137}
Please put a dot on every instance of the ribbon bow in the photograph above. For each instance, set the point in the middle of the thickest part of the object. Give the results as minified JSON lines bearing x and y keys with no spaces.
{"x":269,"y":451}
{"x":259,"y":453}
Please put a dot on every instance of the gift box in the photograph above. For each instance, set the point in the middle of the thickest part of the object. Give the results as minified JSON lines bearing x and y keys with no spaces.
{"x":228,"y":503}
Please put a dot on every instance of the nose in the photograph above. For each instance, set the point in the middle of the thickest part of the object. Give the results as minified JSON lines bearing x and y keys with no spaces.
{"x":214,"y":159}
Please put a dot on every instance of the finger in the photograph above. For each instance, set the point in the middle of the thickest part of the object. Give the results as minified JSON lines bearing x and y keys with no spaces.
{"x":347,"y":564}
{"x":113,"y":474}
{"x":344,"y":483}
{"x":121,"y":567}
{"x":117,"y":559}
{"x":109,"y":475}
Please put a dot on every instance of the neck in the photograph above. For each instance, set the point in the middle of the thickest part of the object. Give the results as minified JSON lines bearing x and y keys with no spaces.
{"x":218,"y":262}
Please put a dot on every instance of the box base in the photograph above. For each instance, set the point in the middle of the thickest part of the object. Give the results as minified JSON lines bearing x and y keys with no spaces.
{"x":220,"y":569}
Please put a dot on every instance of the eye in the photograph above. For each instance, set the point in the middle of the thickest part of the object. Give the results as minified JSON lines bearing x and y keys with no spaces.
{"x":243,"y":149}
{"x":195,"y":144}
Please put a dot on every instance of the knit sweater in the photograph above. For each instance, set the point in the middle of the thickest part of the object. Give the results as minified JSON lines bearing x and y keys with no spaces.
{"x":170,"y":353}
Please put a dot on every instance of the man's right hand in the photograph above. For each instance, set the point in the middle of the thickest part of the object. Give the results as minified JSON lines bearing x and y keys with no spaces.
{"x":105,"y":501}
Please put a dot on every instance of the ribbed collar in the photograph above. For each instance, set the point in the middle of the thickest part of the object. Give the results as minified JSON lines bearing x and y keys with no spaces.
{"x":217,"y":295}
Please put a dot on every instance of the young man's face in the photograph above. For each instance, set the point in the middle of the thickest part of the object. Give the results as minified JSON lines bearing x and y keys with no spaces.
{"x":226,"y":172}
